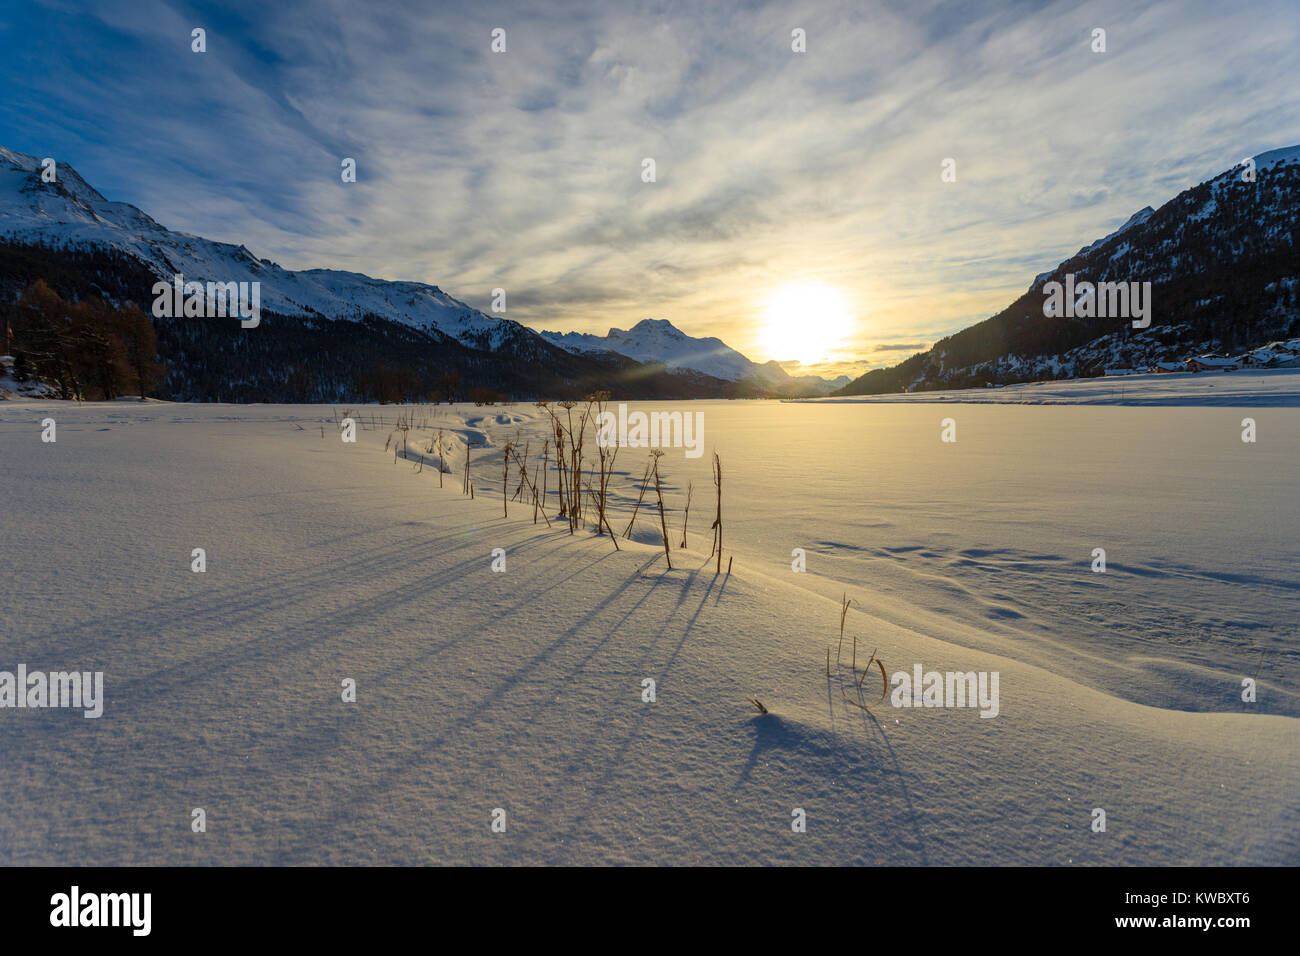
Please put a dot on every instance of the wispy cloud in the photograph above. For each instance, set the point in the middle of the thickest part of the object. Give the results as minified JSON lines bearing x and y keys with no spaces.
{"x":523,"y":169}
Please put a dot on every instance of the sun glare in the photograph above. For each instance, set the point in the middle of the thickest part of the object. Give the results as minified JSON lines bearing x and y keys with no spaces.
{"x":805,"y":321}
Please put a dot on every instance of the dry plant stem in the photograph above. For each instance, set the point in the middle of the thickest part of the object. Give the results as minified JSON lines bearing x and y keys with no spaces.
{"x":663,"y":523}
{"x":884,"y":680}
{"x":523,"y":472}
{"x":559,"y":465}
{"x":532,"y":486}
{"x":505,"y":480}
{"x":686,"y":514}
{"x":541,"y":503}
{"x":607,"y":459}
{"x":856,"y":703}
{"x":717,"y":522}
{"x":844,"y":610}
{"x":866,"y":668}
{"x":645,"y":480}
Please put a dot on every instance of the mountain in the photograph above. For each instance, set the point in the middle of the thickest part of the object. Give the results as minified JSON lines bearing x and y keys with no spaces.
{"x":659,"y":342}
{"x":1224,"y":270}
{"x":337,"y":335}
{"x":71,"y":213}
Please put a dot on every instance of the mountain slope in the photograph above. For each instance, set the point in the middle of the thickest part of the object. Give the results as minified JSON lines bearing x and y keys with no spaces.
{"x":1221,"y":258}
{"x":335,"y":335}
{"x":659,"y":342}
{"x":67,"y":228}
{"x":70,"y":213}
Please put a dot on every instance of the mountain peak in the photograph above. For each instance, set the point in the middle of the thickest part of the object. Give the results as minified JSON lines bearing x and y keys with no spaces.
{"x":1187,"y":252}
{"x":1139,"y":217}
{"x":1287,"y":154}
{"x":660,"y":326}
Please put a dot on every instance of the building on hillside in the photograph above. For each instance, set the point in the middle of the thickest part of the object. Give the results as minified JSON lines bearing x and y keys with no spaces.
{"x":1164,"y":368}
{"x":1290,"y":348}
{"x":1260,"y":358}
{"x":1211,"y":363}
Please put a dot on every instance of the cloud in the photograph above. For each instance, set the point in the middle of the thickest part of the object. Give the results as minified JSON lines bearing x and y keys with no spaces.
{"x":522,"y":170}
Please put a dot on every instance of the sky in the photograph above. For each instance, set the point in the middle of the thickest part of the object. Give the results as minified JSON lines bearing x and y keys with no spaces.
{"x":780,"y":177}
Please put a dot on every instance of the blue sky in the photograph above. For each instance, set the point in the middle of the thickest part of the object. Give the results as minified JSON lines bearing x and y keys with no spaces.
{"x":523,"y":169}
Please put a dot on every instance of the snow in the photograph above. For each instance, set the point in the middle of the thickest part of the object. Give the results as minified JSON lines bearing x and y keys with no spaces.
{"x":1137,"y":219}
{"x":73,"y":214}
{"x":10,"y":386}
{"x":522,"y":690}
{"x":76,"y":215}
{"x":1243,"y":388}
{"x":1277,"y":157}
{"x":659,"y":341}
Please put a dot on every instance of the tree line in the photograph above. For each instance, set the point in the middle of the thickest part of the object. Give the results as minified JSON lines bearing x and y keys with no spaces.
{"x":88,"y":349}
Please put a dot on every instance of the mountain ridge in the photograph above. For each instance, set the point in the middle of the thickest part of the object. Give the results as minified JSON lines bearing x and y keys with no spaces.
{"x":70,"y":213}
{"x":1221,"y":257}
{"x":659,"y":341}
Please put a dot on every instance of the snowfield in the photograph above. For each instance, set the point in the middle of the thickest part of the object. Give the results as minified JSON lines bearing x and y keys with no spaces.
{"x":1245,"y":387}
{"x":522,"y":690}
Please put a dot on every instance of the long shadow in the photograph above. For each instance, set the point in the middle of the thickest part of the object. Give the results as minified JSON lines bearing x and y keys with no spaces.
{"x":902,"y":783}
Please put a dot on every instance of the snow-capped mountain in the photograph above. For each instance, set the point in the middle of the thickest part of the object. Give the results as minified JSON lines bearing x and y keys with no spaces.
{"x":1139,"y":217}
{"x":1224,"y":270}
{"x":69,"y":213}
{"x":658,"y":341}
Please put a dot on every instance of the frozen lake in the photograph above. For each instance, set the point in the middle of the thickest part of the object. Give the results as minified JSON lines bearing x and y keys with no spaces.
{"x":522,"y":690}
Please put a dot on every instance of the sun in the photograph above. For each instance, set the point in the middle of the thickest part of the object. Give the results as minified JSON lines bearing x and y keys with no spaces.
{"x":805,"y":321}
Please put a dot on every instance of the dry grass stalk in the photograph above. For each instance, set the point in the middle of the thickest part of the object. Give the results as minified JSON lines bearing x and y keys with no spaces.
{"x":605,"y":459}
{"x":645,"y":481}
{"x":858,"y":681}
{"x":655,"y":455}
{"x":522,"y":462}
{"x":505,"y":479}
{"x":717,"y":521}
{"x":541,"y":503}
{"x":844,"y":610}
{"x":686,"y":514}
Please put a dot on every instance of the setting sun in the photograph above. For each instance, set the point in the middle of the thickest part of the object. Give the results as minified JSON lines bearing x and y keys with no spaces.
{"x":805,"y":321}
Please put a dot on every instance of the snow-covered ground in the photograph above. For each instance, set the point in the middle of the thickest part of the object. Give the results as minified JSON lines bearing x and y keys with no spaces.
{"x":522,"y":690}
{"x":1246,"y":387}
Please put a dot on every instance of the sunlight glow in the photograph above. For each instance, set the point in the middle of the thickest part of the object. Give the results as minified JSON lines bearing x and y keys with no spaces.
{"x":805,"y":321}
